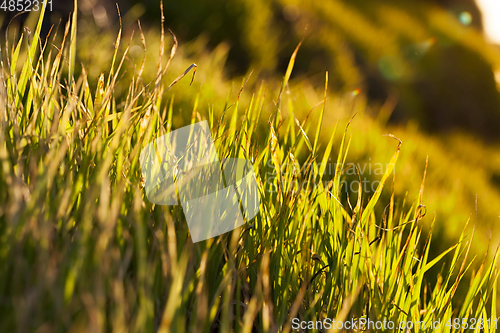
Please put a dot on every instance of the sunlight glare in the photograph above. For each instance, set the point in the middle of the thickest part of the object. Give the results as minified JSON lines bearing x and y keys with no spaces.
{"x":491,"y":14}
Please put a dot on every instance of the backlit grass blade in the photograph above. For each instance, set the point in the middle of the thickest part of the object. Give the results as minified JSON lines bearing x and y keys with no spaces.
{"x":284,"y":83}
{"x":371,"y":204}
{"x":27,"y":70}
{"x":326,"y":156}
{"x":72,"y":47}
{"x":15,"y":56}
{"x":320,"y":121}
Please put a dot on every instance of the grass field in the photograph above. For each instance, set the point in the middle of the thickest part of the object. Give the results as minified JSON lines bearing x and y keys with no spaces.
{"x":82,"y":249}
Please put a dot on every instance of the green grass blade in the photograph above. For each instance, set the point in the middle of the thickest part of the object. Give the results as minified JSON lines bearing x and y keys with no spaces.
{"x":72,"y":48}
{"x":27,"y":70}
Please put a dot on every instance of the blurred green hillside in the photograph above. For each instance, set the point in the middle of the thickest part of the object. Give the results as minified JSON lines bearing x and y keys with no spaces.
{"x":429,"y":55}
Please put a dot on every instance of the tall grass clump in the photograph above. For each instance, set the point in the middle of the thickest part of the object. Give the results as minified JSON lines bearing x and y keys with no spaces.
{"x":82,"y":249}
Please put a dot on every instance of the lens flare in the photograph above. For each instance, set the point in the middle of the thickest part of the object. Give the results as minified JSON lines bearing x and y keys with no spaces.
{"x":465,"y":18}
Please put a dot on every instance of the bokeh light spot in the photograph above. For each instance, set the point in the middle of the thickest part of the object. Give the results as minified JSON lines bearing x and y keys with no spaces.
{"x":465,"y":18}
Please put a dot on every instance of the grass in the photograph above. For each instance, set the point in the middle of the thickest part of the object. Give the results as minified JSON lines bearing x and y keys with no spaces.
{"x":82,"y":249}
